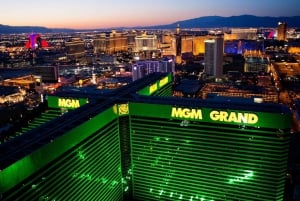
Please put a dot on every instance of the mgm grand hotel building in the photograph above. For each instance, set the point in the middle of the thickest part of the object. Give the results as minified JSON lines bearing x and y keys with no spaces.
{"x":140,"y":143}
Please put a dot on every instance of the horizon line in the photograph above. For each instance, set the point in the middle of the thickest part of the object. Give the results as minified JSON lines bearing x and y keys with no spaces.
{"x":145,"y":26}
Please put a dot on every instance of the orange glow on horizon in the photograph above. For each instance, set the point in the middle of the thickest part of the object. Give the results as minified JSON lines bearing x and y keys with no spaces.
{"x":100,"y":24}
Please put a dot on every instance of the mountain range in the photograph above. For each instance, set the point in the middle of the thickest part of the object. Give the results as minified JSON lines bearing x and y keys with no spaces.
{"x":200,"y":22}
{"x":236,"y":21}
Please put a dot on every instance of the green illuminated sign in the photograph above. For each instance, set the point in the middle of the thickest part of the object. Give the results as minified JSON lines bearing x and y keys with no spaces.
{"x":67,"y":103}
{"x":186,"y":113}
{"x":215,"y":115}
{"x":235,"y":117}
{"x":156,"y":86}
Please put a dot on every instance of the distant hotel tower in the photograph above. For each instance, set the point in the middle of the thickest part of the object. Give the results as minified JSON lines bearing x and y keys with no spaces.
{"x":213,"y":56}
{"x":111,"y":42}
{"x":281,"y":31}
{"x":75,"y":50}
{"x":146,"y":42}
{"x":142,"y":68}
{"x":178,"y":45}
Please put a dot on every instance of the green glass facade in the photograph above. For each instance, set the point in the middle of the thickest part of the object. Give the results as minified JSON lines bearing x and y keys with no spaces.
{"x":83,"y":164}
{"x":184,"y":159}
{"x":157,"y":148}
{"x":38,"y":121}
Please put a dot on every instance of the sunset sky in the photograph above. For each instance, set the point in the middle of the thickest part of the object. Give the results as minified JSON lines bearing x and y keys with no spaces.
{"x":127,"y":13}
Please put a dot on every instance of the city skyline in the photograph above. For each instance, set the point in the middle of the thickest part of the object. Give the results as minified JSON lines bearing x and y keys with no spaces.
{"x":91,"y":14}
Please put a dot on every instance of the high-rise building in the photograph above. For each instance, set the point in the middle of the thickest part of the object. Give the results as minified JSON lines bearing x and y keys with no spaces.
{"x":184,"y":43}
{"x":168,"y":44}
{"x":131,"y":39}
{"x":213,"y":57}
{"x":187,"y":44}
{"x":281,"y":31}
{"x":146,"y":42}
{"x":135,"y":144}
{"x":110,"y":42}
{"x":205,"y":153}
{"x":146,"y":46}
{"x":142,"y":68}
{"x":75,"y":49}
{"x":199,"y":44}
{"x":178,"y":40}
